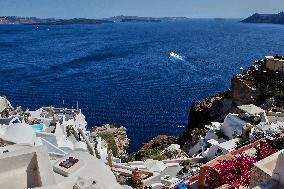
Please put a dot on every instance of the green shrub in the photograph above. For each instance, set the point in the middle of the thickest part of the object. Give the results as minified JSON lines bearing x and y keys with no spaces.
{"x":155,"y":153}
{"x":127,"y":158}
{"x":111,"y":144}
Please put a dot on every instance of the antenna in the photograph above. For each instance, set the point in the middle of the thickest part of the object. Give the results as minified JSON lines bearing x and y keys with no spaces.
{"x":77,"y":105}
{"x":63,"y":102}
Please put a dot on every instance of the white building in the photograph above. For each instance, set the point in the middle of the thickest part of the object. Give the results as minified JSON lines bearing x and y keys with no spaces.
{"x":251,"y":109}
{"x":25,"y":166}
{"x":18,"y":133}
{"x":232,"y":126}
{"x":216,"y":149}
{"x":197,"y":148}
{"x":274,"y":63}
{"x":254,"y":111}
{"x":87,"y":172}
{"x":60,"y":130}
{"x":101,"y":148}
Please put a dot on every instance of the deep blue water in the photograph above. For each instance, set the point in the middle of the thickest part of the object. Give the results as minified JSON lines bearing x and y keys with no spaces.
{"x":122,"y":74}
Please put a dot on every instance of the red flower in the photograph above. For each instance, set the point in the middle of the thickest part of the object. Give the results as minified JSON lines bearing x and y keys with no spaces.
{"x":235,"y":172}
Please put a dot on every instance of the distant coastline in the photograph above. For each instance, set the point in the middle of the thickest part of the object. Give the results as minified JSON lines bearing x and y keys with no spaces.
{"x":48,"y":21}
{"x":265,"y":18}
{"x":123,"y":18}
{"x":54,"y":21}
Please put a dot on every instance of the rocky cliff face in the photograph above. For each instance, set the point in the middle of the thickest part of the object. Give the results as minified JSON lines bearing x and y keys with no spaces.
{"x":5,"y":107}
{"x":210,"y":108}
{"x":244,"y":92}
{"x":254,"y":86}
{"x":115,"y":138}
{"x":203,"y":112}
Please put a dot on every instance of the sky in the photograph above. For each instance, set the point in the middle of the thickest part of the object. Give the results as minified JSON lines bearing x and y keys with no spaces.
{"x":154,"y":8}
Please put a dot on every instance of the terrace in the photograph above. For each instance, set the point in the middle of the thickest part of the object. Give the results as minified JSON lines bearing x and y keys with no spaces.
{"x":25,"y":167}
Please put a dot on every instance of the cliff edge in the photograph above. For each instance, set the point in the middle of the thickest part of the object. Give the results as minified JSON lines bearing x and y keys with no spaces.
{"x":259,"y":84}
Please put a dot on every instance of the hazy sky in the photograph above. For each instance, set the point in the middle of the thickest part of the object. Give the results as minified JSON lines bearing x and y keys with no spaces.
{"x":107,"y":8}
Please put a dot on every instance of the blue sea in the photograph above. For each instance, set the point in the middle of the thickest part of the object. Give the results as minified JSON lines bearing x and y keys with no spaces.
{"x":143,"y":76}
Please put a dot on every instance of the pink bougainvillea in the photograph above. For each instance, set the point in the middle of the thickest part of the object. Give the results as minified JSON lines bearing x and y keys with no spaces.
{"x":232,"y":172}
{"x":235,"y":172}
{"x":264,"y":151}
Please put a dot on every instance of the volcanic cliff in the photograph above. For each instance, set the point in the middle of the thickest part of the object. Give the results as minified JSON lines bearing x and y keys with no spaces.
{"x":256,"y":85}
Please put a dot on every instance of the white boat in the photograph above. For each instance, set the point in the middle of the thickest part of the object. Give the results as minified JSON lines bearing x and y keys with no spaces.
{"x":176,"y":56}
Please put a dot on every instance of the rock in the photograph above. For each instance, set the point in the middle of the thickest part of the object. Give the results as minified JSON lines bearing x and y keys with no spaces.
{"x":243,"y":91}
{"x":5,"y":107}
{"x":174,"y":152}
{"x":205,"y":111}
{"x":208,"y":109}
{"x":116,"y":138}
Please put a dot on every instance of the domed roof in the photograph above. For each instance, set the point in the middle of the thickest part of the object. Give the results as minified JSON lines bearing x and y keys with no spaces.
{"x":20,"y":133}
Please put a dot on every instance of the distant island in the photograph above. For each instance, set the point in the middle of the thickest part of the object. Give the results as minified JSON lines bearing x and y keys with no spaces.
{"x":48,"y":21}
{"x":123,"y":18}
{"x":219,"y":19}
{"x":265,"y":18}
{"x":54,"y":21}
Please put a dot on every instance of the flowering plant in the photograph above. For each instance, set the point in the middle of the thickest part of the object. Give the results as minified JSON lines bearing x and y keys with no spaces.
{"x":235,"y":172}
{"x":264,"y":151}
{"x":232,"y":172}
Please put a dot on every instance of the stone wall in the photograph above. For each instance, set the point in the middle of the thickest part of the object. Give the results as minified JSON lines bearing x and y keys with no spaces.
{"x":275,"y":65}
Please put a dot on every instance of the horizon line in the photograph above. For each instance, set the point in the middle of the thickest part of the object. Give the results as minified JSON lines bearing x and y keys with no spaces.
{"x":40,"y":17}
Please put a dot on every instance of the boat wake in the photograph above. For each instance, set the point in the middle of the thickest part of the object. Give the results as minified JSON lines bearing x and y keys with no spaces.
{"x":175,"y":56}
